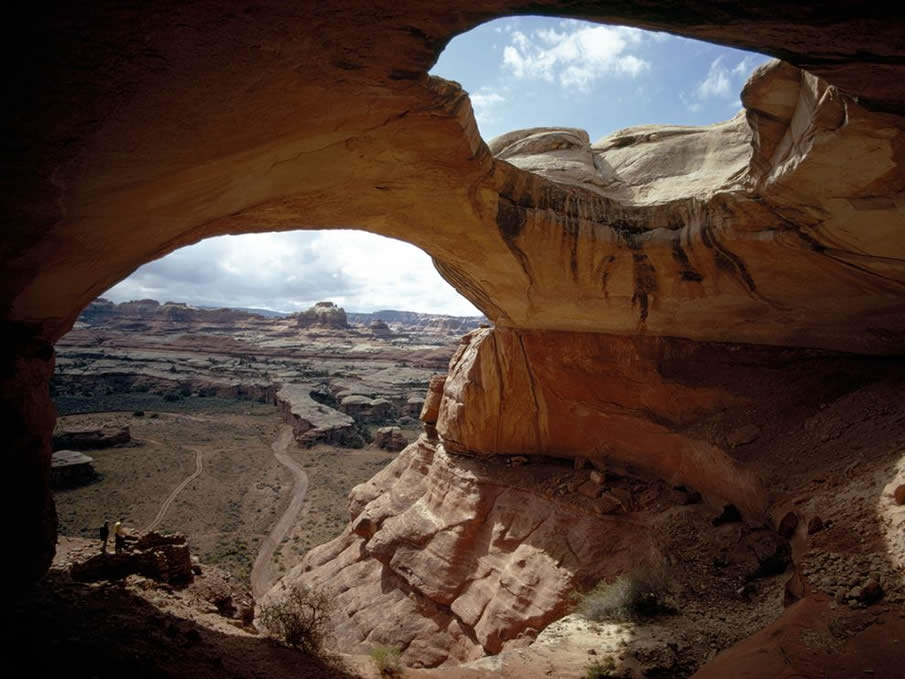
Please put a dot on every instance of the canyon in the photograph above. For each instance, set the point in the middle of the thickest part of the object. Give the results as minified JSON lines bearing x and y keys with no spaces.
{"x":710,"y":312}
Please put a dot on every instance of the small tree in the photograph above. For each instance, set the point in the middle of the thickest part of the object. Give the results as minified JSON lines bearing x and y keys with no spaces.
{"x":387,"y":660}
{"x":634,"y":596}
{"x":300,"y":619}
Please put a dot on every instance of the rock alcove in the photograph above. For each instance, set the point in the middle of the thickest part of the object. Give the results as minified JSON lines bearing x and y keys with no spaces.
{"x":142,"y":131}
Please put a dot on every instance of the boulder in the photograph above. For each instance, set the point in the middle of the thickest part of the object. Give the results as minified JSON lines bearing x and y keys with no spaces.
{"x":165,"y":558}
{"x":431,"y":408}
{"x":898,"y":495}
{"x":92,"y":439}
{"x":742,"y":436}
{"x":390,"y":438}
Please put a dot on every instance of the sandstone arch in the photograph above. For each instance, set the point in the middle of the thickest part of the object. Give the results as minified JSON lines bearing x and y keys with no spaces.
{"x":139,"y":130}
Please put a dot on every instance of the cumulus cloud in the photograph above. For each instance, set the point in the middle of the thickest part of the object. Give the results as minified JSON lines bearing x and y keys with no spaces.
{"x":575,"y":56}
{"x":291,"y":271}
{"x":721,"y":82}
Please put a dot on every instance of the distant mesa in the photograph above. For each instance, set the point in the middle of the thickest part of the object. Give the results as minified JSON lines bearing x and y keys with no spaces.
{"x":323,"y":315}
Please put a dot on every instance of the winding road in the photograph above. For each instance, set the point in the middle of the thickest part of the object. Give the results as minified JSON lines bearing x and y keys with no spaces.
{"x":262,"y":576}
{"x":199,"y":467}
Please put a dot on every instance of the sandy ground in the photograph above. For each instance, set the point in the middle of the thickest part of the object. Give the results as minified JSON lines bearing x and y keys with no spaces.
{"x":230,"y":507}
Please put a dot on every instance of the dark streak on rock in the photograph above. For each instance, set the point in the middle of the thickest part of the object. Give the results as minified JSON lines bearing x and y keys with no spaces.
{"x":645,"y":280}
{"x":686,"y":271}
{"x":510,"y":221}
{"x":400,"y":74}
{"x":605,"y":275}
{"x":726,"y":260}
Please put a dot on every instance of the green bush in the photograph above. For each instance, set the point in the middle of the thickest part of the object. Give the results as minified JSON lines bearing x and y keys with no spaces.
{"x":601,"y":670}
{"x":634,"y":596}
{"x":300,"y":619}
{"x":387,"y":660}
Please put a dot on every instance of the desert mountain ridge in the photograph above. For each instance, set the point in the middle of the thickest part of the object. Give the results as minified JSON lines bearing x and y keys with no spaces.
{"x":103,"y":310}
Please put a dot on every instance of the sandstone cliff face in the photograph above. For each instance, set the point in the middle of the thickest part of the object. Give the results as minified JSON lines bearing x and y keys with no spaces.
{"x":606,"y":399}
{"x":551,"y":461}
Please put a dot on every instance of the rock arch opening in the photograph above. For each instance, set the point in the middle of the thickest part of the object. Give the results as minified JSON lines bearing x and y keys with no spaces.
{"x":541,"y":72}
{"x":217,"y":396}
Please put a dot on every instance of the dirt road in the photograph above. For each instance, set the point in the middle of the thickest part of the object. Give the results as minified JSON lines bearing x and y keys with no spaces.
{"x":199,"y":467}
{"x":262,"y":576}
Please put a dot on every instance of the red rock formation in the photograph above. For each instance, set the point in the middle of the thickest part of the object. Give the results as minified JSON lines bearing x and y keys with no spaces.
{"x":136,"y":131}
{"x":605,"y":399}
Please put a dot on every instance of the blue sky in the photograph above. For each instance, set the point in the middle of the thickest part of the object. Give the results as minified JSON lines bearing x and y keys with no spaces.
{"x":537,"y":72}
{"x":520,"y":72}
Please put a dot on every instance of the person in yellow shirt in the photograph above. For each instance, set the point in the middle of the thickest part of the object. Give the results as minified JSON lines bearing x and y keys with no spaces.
{"x":119,"y":536}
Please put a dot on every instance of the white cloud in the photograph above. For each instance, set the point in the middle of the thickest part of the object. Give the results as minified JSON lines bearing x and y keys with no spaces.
{"x":721,"y":82}
{"x":484,"y":103}
{"x":744,"y":67}
{"x":716,"y":84}
{"x":576,"y":56}
{"x":290,"y":271}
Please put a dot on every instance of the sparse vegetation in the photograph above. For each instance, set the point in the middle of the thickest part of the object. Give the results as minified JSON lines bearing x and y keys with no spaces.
{"x":387,"y":660}
{"x":605,"y":669}
{"x":300,"y":619}
{"x":634,"y":596}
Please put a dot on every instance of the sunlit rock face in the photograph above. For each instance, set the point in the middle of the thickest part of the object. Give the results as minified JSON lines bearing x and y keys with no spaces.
{"x":609,"y":400}
{"x":451,"y":558}
{"x":323,"y":315}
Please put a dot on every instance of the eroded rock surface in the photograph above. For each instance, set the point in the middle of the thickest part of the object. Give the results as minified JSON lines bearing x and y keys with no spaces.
{"x":314,"y":422}
{"x":450,"y":558}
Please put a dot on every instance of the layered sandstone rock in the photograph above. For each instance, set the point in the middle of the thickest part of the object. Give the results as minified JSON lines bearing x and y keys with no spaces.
{"x":604,"y":399}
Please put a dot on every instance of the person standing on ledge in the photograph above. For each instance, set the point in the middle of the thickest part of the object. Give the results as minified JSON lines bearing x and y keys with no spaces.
{"x":105,"y":533}
{"x":119,"y":536}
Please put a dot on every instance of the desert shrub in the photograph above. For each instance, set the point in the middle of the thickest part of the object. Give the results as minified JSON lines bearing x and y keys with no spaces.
{"x":301,"y":618}
{"x":634,"y":596}
{"x":387,"y":660}
{"x":601,"y":670}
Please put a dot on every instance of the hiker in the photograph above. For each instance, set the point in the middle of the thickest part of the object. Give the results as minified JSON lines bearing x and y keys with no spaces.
{"x":105,"y":533}
{"x":119,"y":536}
